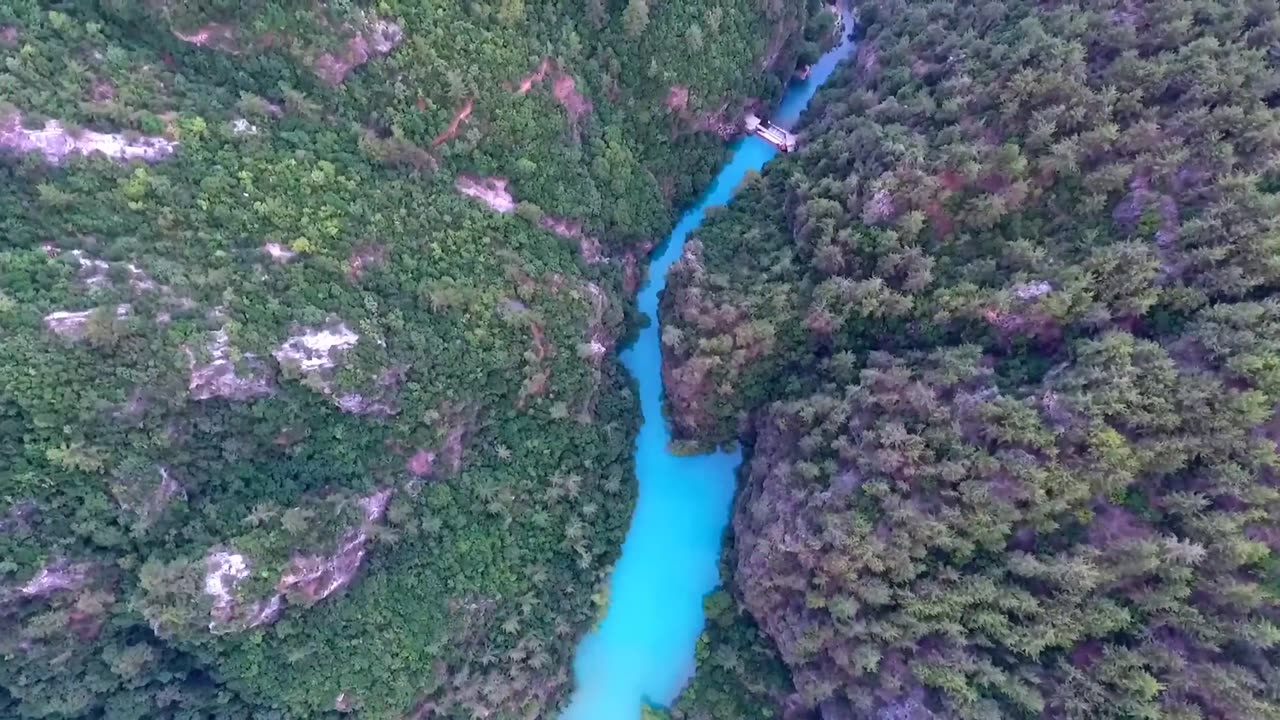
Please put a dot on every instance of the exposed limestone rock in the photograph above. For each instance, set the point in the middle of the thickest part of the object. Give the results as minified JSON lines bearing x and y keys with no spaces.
{"x":376,"y":39}
{"x":240,"y":126}
{"x":491,"y":191}
{"x":365,"y":40}
{"x":357,"y":404}
{"x":57,"y":576}
{"x":93,"y":272}
{"x":314,"y":354}
{"x":224,"y":569}
{"x":56,"y":143}
{"x":306,"y":580}
{"x":73,"y":325}
{"x":316,"y":349}
{"x":1032,"y":290}
{"x":217,"y":375}
{"x":312,"y":578}
{"x":279,"y":253}
{"x":96,"y":274}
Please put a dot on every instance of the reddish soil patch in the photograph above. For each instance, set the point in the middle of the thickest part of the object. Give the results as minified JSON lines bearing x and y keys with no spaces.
{"x":563,"y":88}
{"x":528,"y":81}
{"x":677,"y":98}
{"x":421,"y":463}
{"x":459,"y":117}
{"x":363,"y":258}
{"x":214,"y":35}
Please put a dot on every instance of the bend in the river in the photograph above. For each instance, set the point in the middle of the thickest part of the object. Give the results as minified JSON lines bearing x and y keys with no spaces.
{"x":643,"y":650}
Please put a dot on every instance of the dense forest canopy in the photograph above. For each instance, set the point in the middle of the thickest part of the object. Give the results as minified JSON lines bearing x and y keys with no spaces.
{"x":1002,"y":338}
{"x":308,"y":398}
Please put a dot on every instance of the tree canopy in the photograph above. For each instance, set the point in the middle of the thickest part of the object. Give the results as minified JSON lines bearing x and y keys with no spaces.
{"x":1000,"y":339}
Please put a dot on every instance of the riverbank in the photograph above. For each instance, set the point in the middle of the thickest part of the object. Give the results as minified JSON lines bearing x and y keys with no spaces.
{"x":643,"y":651}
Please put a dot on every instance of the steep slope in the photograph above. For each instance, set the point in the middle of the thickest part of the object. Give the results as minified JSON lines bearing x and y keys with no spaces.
{"x":308,"y":403}
{"x":1002,"y":338}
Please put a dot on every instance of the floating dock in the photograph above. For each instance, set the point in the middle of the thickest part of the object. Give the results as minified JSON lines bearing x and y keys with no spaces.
{"x":784,"y":140}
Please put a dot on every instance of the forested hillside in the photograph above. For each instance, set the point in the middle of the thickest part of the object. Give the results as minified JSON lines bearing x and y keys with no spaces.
{"x":308,"y":398}
{"x":1003,"y":340}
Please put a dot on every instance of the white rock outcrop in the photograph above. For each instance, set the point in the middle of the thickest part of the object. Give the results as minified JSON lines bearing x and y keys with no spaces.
{"x":73,"y":324}
{"x":217,"y":375}
{"x":316,"y":349}
{"x":491,"y":191}
{"x":306,"y":580}
{"x":55,"y":142}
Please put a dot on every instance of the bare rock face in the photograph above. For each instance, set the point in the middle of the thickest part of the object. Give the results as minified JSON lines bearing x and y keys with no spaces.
{"x":1032,"y":290}
{"x":95,"y":274}
{"x":374,"y":40}
{"x":314,"y":353}
{"x":316,"y":349}
{"x":74,"y":325}
{"x":224,"y":569}
{"x":366,"y":39}
{"x":381,"y":400}
{"x":279,"y":253}
{"x":312,"y":578}
{"x":218,"y":376}
{"x":56,"y":142}
{"x":307,"y":579}
{"x":57,"y":576}
{"x":240,"y":126}
{"x":491,"y":191}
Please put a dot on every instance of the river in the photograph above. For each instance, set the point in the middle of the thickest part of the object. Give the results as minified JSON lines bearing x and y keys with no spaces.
{"x":643,"y":649}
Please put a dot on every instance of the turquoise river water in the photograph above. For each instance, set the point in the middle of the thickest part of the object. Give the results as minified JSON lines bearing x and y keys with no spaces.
{"x":643,"y":649}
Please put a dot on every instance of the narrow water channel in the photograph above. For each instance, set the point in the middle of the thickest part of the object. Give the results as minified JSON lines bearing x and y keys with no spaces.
{"x":643,"y":649}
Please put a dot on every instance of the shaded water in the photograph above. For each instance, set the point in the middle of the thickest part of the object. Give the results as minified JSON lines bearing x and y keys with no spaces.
{"x":643,"y":650}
